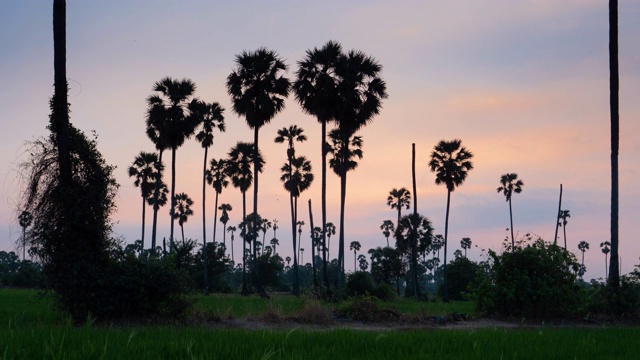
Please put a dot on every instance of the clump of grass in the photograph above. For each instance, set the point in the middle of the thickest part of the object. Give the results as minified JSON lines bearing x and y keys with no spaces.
{"x":272,"y":315}
{"x":313,"y":312}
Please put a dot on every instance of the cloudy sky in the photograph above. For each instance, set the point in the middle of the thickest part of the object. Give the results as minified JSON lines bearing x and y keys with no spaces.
{"x":523,"y":83}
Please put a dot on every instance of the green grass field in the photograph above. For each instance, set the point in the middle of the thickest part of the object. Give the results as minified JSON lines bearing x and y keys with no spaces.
{"x":30,"y":329}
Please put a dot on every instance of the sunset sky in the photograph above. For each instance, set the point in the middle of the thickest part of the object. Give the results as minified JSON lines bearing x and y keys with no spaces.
{"x":523,"y":83}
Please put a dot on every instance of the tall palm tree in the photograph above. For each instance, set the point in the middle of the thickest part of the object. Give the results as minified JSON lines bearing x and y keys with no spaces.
{"x":224,"y":218}
{"x":509,"y":184}
{"x":316,"y":90}
{"x":217,"y":176}
{"x":562,"y":219}
{"x":387,"y":228}
{"x":144,"y":169}
{"x":264,"y":226}
{"x":605,"y":250}
{"x":399,"y":198}
{"x":169,"y":123}
{"x":465,"y":244}
{"x":413,"y":228}
{"x":360,"y":93}
{"x":182,"y":210}
{"x":241,"y":158}
{"x":232,"y":230}
{"x":583,"y":246}
{"x":25,"y":219}
{"x":355,"y":247}
{"x":296,"y":177}
{"x":451,"y":162}
{"x":156,"y":202}
{"x":331,"y":230}
{"x":258,"y":90}
{"x":613,"y":279}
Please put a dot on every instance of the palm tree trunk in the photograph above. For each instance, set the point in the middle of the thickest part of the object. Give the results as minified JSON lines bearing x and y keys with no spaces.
{"x":446,"y":235}
{"x":245,"y":291}
{"x":224,"y":235}
{"x":156,"y":195}
{"x":513,"y":243}
{"x":182,"y":231}
{"x":555,"y":237}
{"x":343,"y":196}
{"x":313,"y":248}
{"x":254,"y":268}
{"x":325,"y":249}
{"x":294,"y":219}
{"x":614,"y":274}
{"x":204,"y":223}
{"x":414,"y":235}
{"x":173,"y":193}
{"x":215,"y":221}
{"x":564,"y":230}
{"x":143,"y":216}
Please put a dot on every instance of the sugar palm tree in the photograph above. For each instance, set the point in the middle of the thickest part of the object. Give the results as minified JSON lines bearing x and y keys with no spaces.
{"x":413,"y":228}
{"x":331,"y":230}
{"x":451,"y":162}
{"x":344,"y":153}
{"x":387,"y":228}
{"x":355,"y":247}
{"x":399,"y":198}
{"x":316,"y":90}
{"x":217,"y":176}
{"x":465,"y":244}
{"x":241,"y":158}
{"x":232,"y":230}
{"x":509,"y":184}
{"x":605,"y":246}
{"x":169,"y":123}
{"x":583,"y":246}
{"x":562,"y":219}
{"x":258,"y":89}
{"x":182,"y":210}
{"x":25,"y":219}
{"x":224,"y":218}
{"x":144,"y":169}
{"x":264,"y":226}
{"x":274,"y":242}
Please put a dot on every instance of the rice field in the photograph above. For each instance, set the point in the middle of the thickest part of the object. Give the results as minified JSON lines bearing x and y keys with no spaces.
{"x":29,"y":328}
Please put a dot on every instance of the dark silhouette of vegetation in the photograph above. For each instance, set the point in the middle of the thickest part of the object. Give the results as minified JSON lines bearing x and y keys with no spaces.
{"x":509,"y":184}
{"x":399,"y":198}
{"x":605,"y":246}
{"x":451,"y":162}
{"x":583,"y":246}
{"x":144,"y":169}
{"x":24,"y":219}
{"x":182,"y":210}
{"x":412,"y":229}
{"x":562,"y":220}
{"x":387,"y":228}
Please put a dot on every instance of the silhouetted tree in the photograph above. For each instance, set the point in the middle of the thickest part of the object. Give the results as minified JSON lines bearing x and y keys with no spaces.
{"x":605,"y":246}
{"x":583,"y":246}
{"x":451,"y":162}
{"x":25,"y":219}
{"x":232,"y":230}
{"x":465,"y":244}
{"x":144,"y":170}
{"x":331,"y":230}
{"x":411,"y":228}
{"x":182,"y":210}
{"x":510,"y":184}
{"x":217,"y":176}
{"x":355,"y":247}
{"x":224,"y":218}
{"x":387,"y":228}
{"x":399,"y":198}
{"x":562,"y":219}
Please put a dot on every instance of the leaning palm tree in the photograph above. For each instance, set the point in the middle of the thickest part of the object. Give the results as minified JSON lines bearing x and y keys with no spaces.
{"x":182,"y":210}
{"x":562,"y":219}
{"x":451,"y":162}
{"x":241,"y":158}
{"x":258,"y":90}
{"x":25,"y":219}
{"x":217,"y":176}
{"x":399,"y":198}
{"x":509,"y":184}
{"x":355,"y":247}
{"x":144,"y":169}
{"x":296,"y":177}
{"x":316,"y":89}
{"x":387,"y":228}
{"x":169,"y":124}
{"x":412,"y":230}
{"x":224,"y":218}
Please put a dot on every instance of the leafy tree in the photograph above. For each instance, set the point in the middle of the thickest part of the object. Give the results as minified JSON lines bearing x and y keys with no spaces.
{"x":462,"y":273}
{"x":25,"y":219}
{"x":465,"y":244}
{"x":362,"y":262}
{"x":258,"y":90}
{"x":451,"y":162}
{"x":387,"y":228}
{"x":411,"y":228}
{"x":562,"y":218}
{"x":605,"y":246}
{"x":170,"y":123}
{"x":182,"y":210}
{"x":510,"y":184}
{"x":399,"y":198}
{"x":316,"y":89}
{"x":144,"y":169}
{"x":583,"y":246}
{"x":386,"y":264}
{"x":355,"y":247}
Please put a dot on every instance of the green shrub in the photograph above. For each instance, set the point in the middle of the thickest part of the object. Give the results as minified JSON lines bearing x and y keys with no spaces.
{"x":359,"y":283}
{"x":384,"y":292}
{"x":535,"y":281}
{"x":461,"y":272}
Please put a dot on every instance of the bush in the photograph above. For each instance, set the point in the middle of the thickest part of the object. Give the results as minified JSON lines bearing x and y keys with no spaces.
{"x":360,"y":283}
{"x":535,"y":281}
{"x":461,"y":272}
{"x":384,"y":292}
{"x":361,"y":308}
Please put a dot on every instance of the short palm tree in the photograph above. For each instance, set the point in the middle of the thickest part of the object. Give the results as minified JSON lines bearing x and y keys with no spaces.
{"x":562,"y":218}
{"x":182,"y":210}
{"x":217,"y":176}
{"x":169,"y":123}
{"x":355,"y":247}
{"x":387,"y":228}
{"x":605,"y":246}
{"x":465,"y":244}
{"x":274,"y":242}
{"x":232,"y":230}
{"x":224,"y":219}
{"x":25,"y":219}
{"x":583,"y":246}
{"x":398,"y":199}
{"x":331,"y":230}
{"x":509,"y":184}
{"x":451,"y":162}
{"x":413,"y":228}
{"x":258,"y":90}
{"x":144,"y":170}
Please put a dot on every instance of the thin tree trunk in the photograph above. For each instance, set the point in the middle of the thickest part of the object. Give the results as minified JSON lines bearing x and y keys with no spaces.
{"x":555,"y":237}
{"x":313,"y":251}
{"x":513,"y":243}
{"x":446,"y":234}
{"x":204,"y":223}
{"x":413,"y":175}
{"x":325,"y":249}
{"x":173,"y":195}
{"x":564,"y":230}
{"x":343,"y":196}
{"x":614,"y":271}
{"x":182,"y":230}
{"x":296,"y":279}
{"x":245,"y":291}
{"x":254,"y":268}
{"x":224,"y":235}
{"x":414,"y":231}
{"x":156,"y":195}
{"x":143,"y":216}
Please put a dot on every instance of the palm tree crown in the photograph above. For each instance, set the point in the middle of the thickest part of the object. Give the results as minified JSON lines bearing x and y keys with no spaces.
{"x":239,"y":164}
{"x":297,"y":176}
{"x":344,"y":151}
{"x":510,"y":184}
{"x":451,"y":162}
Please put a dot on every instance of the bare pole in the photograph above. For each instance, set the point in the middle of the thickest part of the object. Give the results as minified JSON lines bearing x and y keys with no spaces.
{"x":555,"y":238}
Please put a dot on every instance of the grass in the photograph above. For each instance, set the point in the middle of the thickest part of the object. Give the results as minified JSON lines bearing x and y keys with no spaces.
{"x":29,"y":328}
